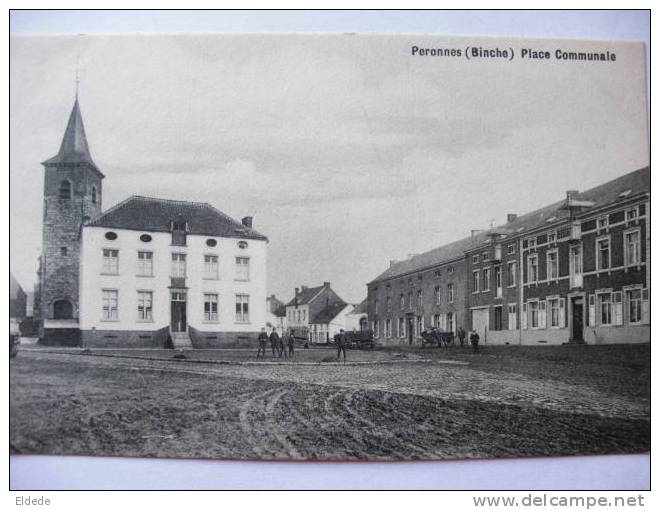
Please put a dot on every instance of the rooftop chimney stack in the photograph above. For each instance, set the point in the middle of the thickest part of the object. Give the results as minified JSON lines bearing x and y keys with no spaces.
{"x":297,"y":291}
{"x":247,"y":221}
{"x":570,"y":194}
{"x":511,"y":217}
{"x":392,"y":262}
{"x":326,"y":285}
{"x":475,"y":231}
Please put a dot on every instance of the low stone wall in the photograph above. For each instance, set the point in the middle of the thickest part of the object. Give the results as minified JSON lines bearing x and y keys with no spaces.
{"x":65,"y":337}
{"x":618,"y":335}
{"x":504,"y":337}
{"x":120,"y":338}
{"x":221,"y":339}
{"x":547,"y":336}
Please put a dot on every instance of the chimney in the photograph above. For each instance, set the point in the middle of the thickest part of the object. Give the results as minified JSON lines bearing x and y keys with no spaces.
{"x":392,"y":262}
{"x":326,"y":285}
{"x":297,"y":291}
{"x":511,"y":217}
{"x":571,"y":194}
{"x":247,"y":221}
{"x":474,"y":232}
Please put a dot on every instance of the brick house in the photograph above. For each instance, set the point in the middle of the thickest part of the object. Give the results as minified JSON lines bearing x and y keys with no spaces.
{"x":574,"y":271}
{"x":424,"y":290}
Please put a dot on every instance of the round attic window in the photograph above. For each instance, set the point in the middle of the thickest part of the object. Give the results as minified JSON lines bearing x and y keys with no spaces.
{"x":145,"y":238}
{"x":211,"y":242}
{"x":110,"y":236}
{"x":242,"y":244}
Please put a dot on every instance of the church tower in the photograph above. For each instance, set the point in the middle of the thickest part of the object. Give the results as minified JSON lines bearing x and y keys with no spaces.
{"x":72,"y":196}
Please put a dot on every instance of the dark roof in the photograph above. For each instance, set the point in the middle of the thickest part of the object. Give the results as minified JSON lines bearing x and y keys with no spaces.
{"x":155,"y":215}
{"x":15,"y":289}
{"x":305,"y":295}
{"x":328,"y":313}
{"x":637,"y":182}
{"x":280,"y":311}
{"x":360,"y":308}
{"x":74,"y":148}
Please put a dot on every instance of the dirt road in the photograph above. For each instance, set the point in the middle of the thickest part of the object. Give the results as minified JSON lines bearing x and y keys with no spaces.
{"x":71,"y":403}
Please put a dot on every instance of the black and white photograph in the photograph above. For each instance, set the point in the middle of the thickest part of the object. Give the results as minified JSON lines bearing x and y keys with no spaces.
{"x":328,"y":247}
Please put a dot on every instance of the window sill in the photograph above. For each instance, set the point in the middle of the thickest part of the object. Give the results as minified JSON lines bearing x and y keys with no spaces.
{"x":144,"y":276}
{"x":211,"y":322}
{"x":210,"y":278}
{"x":109,"y":274}
{"x":242,"y":322}
{"x":145,"y":321}
{"x":109,"y":320}
{"x":241,"y":280}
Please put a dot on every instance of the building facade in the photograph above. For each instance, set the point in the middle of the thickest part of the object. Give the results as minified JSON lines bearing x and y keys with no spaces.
{"x":317,"y":313}
{"x":574,"y":271}
{"x":148,"y":272}
{"x":423,"y":291}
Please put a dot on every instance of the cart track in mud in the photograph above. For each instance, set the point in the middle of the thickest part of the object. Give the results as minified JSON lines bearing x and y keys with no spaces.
{"x":165,"y":408}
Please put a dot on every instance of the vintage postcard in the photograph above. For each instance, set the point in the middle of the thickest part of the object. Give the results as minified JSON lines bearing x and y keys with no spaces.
{"x":328,"y":247}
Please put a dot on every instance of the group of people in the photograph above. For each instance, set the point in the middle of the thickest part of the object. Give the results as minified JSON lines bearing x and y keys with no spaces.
{"x":474,"y":338}
{"x":281,"y":346}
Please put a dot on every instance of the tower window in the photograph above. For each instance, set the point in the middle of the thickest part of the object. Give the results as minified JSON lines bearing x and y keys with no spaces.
{"x":65,"y":190}
{"x":64,"y":251}
{"x":93,"y":194}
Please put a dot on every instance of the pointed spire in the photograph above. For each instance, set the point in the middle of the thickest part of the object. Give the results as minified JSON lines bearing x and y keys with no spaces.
{"x":75,"y":141}
{"x":74,"y":148}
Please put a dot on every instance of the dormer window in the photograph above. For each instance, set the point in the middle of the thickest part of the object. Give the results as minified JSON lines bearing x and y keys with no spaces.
{"x":65,"y":190}
{"x":179,"y":228}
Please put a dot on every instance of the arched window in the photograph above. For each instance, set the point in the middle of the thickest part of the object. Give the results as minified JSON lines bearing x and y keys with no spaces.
{"x":65,"y":190}
{"x":62,"y":309}
{"x":93,"y":194}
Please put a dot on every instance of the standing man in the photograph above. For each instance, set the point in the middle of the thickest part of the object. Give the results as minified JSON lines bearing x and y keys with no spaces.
{"x":474,"y":340}
{"x":263,"y":338}
{"x":341,"y":344}
{"x":461,"y":335}
{"x":291,"y":342}
{"x":274,"y":342}
{"x":280,"y":346}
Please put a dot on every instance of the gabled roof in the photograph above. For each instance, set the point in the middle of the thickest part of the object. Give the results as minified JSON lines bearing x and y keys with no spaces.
{"x":74,"y":148}
{"x":360,"y":308}
{"x":305,"y":296}
{"x":432,"y":257}
{"x":610,"y":192}
{"x":15,"y":289}
{"x":328,"y":313}
{"x":280,"y":311}
{"x":155,"y":214}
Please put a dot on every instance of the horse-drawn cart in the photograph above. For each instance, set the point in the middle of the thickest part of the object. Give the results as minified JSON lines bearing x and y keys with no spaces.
{"x":437,"y":338}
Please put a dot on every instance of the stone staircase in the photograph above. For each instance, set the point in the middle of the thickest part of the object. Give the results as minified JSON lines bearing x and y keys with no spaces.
{"x":181,"y":340}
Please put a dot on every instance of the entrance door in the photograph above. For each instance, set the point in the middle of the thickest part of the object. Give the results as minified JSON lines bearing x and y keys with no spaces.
{"x":178,"y":313}
{"x":577,"y":319}
{"x":411,"y":330}
{"x":480,"y":322}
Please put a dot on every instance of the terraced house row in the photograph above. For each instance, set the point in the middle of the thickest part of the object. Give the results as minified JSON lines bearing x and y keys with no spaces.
{"x":577,"y":270}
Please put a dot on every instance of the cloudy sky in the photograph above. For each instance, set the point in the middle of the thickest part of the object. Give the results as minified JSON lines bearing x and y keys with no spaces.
{"x":347,"y":150}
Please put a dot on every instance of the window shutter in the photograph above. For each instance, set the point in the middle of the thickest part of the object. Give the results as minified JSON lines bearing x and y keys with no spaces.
{"x":645,"y":306}
{"x":562,"y":313}
{"x":592,"y":310}
{"x":542,"y":309}
{"x":523,"y":316}
{"x":618,"y":309}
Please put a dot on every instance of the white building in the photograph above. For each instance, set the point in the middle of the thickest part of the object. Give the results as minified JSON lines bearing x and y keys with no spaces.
{"x":150,"y":268}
